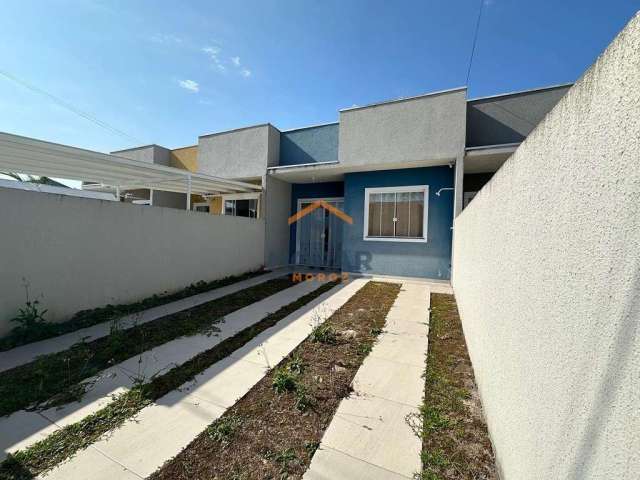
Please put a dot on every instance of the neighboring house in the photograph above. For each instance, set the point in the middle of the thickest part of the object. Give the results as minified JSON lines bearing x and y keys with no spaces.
{"x":52,"y":186}
{"x":400,"y":169}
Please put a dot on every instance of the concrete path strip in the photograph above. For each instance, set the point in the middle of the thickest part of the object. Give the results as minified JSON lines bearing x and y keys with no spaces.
{"x":24,"y":428}
{"x":27,"y":353}
{"x":162,"y":430}
{"x":368,"y":437}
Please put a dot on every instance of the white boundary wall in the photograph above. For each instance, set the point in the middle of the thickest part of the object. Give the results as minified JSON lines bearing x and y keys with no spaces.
{"x":79,"y":253}
{"x":547,"y":279}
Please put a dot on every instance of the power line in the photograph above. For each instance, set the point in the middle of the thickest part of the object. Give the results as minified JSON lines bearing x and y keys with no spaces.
{"x":63,"y":103}
{"x":475,"y":40}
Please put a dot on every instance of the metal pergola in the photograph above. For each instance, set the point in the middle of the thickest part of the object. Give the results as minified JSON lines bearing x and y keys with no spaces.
{"x":37,"y":157}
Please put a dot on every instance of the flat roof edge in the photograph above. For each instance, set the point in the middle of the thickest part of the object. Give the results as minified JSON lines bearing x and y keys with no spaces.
{"x":403,"y":99}
{"x":306,"y":127}
{"x":521,"y":92}
{"x":138,"y":148}
{"x":267,"y":124}
{"x":495,"y":146}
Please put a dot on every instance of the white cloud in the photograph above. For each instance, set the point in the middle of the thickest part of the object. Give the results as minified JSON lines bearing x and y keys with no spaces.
{"x":488,"y":3}
{"x":212,"y":52}
{"x":190,"y":85}
{"x":165,"y":38}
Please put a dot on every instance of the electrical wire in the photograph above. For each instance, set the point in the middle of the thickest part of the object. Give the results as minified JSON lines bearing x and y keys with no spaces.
{"x":475,"y":41}
{"x":64,"y":104}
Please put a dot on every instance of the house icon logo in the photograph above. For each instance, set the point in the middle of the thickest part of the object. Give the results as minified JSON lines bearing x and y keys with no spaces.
{"x":320,"y":204}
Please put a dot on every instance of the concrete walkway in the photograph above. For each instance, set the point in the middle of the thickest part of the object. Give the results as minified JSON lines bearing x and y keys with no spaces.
{"x":24,"y":428}
{"x":28,"y":353}
{"x":162,"y":430}
{"x":368,"y":438}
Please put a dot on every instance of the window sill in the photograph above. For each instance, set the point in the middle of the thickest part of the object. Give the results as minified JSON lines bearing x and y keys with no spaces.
{"x":395,"y":239}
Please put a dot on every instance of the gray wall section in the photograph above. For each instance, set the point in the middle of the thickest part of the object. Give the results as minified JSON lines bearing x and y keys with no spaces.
{"x":430,"y":127}
{"x":547,"y":279}
{"x":79,"y":253}
{"x":148,"y":154}
{"x":242,"y":154}
{"x":309,"y":145}
{"x":509,"y":118}
{"x":277,"y":199}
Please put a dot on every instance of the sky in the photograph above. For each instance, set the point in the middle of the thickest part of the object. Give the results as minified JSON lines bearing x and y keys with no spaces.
{"x":166,"y":72}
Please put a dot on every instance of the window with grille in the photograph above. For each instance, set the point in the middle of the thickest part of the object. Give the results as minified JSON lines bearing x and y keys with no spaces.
{"x":396,"y":213}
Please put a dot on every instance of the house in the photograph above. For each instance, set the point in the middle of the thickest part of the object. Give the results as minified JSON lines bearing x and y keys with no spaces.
{"x":399,"y":168}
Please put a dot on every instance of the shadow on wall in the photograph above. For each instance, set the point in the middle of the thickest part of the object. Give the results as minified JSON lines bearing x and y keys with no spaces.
{"x":295,"y":153}
{"x":483,"y":129}
{"x":619,"y":356}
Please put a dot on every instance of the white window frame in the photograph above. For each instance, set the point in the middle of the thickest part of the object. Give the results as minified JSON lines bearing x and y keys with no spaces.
{"x":200,"y":204}
{"x":409,"y":189}
{"x":242,"y":196}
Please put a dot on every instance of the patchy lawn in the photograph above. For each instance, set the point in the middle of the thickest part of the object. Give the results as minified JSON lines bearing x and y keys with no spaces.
{"x":64,"y":443}
{"x":455,"y":441}
{"x":274,"y":430}
{"x":55,"y":378}
{"x":87,"y":318}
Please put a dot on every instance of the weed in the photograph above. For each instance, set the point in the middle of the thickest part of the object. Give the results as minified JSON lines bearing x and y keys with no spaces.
{"x":375,"y":331}
{"x":86,"y":318}
{"x":434,"y":459}
{"x":51,"y":375}
{"x":282,"y":458}
{"x":365,"y":348}
{"x":284,"y":380}
{"x":434,"y":419}
{"x":324,"y":334}
{"x":224,"y":428}
{"x":296,"y":365}
{"x":311,"y":448}
{"x":63,"y":443}
{"x":304,"y":400}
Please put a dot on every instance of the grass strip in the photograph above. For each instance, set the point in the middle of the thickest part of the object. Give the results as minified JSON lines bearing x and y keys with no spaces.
{"x":56,"y":378}
{"x":455,"y":441}
{"x":273,"y":431}
{"x":86,"y":318}
{"x":62,"y":444}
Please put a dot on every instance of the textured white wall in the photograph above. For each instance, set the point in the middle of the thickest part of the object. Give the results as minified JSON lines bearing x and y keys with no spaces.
{"x":547,"y":278}
{"x":79,"y":253}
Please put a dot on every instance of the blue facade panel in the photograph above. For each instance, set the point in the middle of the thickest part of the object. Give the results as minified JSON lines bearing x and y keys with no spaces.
{"x":429,"y":260}
{"x":309,"y":145}
{"x":309,"y":190}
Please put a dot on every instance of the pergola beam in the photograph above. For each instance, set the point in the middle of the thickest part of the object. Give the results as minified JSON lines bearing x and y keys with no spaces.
{"x":36,"y":157}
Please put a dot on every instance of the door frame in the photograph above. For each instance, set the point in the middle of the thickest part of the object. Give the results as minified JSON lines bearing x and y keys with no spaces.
{"x":298,"y":208}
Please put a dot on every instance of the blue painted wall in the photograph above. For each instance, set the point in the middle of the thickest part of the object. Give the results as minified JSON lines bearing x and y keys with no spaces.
{"x":431,"y":259}
{"x":309,"y":190}
{"x":309,"y":145}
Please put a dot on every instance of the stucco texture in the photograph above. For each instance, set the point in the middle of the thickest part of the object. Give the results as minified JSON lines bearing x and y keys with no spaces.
{"x":426,"y":128}
{"x":547,"y":279}
{"x":242,"y":154}
{"x":79,"y":253}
